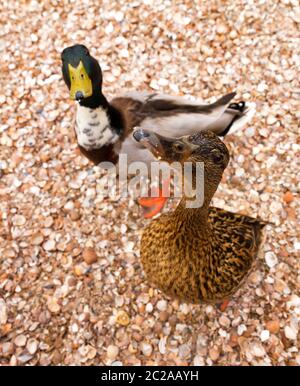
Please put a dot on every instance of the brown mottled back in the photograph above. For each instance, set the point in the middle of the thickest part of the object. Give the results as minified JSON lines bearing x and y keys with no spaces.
{"x":197,"y":260}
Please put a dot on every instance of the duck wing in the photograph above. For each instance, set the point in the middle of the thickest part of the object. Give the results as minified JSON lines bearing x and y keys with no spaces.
{"x":239,"y":232}
{"x":177,"y":116}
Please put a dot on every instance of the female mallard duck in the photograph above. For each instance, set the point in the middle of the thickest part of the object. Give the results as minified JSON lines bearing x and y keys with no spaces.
{"x":104,"y":129}
{"x":198,"y":254}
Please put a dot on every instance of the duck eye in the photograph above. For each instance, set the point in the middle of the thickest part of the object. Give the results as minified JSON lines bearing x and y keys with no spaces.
{"x":178,"y":146}
{"x":217,"y":158}
{"x":82,"y":76}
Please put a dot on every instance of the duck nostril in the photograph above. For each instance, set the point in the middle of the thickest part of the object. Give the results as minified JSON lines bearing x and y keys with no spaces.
{"x":79,"y":95}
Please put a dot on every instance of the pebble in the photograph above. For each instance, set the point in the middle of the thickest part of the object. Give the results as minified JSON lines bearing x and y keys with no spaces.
{"x":37,"y":239}
{"x":48,"y":222}
{"x":162,"y":305}
{"x":20,"y":340}
{"x":281,"y":286}
{"x":264,"y":335}
{"x":162,"y":345}
{"x":198,"y":361}
{"x":3,"y":164}
{"x":31,"y":346}
{"x":53,"y":306}
{"x":214,"y":353}
{"x":185,"y":308}
{"x":109,"y":28}
{"x":122,"y":318}
{"x":78,"y":270}
{"x":290,"y":332}
{"x":89,"y":255}
{"x":271,"y":120}
{"x":163,"y":316}
{"x":69,"y":205}
{"x":271,"y":259}
{"x":119,"y":301}
{"x":294,"y":301}
{"x":112,"y":352}
{"x":7,"y":349}
{"x":163,"y":82}
{"x":3,"y":312}
{"x":250,"y":132}
{"x":154,"y":85}
{"x":44,"y":317}
{"x":224,"y":321}
{"x":275,"y":207}
{"x":241,"y":329}
{"x":24,"y":358}
{"x":184,"y":351}
{"x":74,"y":215}
{"x":119,"y":16}
{"x":257,"y":349}
{"x":123,"y":228}
{"x":261,"y":87}
{"x":222,"y":29}
{"x":264,"y":132}
{"x":19,"y":220}
{"x":146,"y":349}
{"x":75,"y":184}
{"x":149,"y":308}
{"x":49,"y":245}
{"x":288,"y":197}
{"x":273,"y":326}
{"x":116,"y":363}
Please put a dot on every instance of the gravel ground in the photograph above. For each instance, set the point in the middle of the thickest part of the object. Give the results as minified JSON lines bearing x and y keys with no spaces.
{"x":72,"y":290}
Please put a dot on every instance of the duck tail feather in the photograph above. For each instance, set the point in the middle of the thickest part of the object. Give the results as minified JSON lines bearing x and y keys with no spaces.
{"x":219,"y":106}
{"x":246,"y":116}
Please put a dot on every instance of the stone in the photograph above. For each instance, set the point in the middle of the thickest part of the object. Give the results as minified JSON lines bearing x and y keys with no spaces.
{"x":19,"y":220}
{"x":290,"y":332}
{"x":224,"y":321}
{"x":271,"y":259}
{"x":214,"y":353}
{"x":112,"y":352}
{"x":162,"y":305}
{"x":74,"y":215}
{"x":288,"y":197}
{"x":7,"y":349}
{"x":163,"y":316}
{"x":257,"y":349}
{"x":53,"y":306}
{"x":49,"y":245}
{"x":89,"y":255}
{"x":122,"y":318}
{"x":271,"y":119}
{"x":3,"y":312}
{"x":37,"y":238}
{"x":264,"y":335}
{"x":31,"y":346}
{"x":146,"y":349}
{"x":20,"y":340}
{"x":149,"y":308}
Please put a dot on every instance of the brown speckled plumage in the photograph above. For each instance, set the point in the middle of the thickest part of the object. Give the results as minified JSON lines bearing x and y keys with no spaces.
{"x":203,"y":254}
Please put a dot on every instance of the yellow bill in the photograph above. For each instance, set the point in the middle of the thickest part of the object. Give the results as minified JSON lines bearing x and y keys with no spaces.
{"x":80,"y":81}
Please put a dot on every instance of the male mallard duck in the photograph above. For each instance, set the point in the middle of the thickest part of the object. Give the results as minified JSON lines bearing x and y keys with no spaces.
{"x":104,"y":129}
{"x":197,"y":254}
